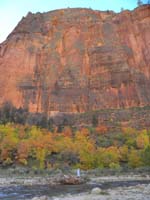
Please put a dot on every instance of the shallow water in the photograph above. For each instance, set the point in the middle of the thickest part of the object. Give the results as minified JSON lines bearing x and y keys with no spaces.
{"x":28,"y":192}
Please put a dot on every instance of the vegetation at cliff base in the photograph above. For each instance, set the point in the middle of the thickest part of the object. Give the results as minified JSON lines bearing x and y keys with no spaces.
{"x":85,"y":148}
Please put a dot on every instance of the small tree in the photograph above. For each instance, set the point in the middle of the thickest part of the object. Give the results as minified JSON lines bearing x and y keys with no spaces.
{"x":121,"y":9}
{"x":146,"y":156}
{"x":94,"y":120}
{"x":139,"y":2}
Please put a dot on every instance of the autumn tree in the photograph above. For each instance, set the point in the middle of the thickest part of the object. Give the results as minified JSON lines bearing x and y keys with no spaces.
{"x":42,"y":146}
{"x":142,"y":140}
{"x":85,"y":147}
{"x":67,"y":132}
{"x":129,"y":136}
{"x":8,"y":148}
{"x":101,"y":129}
{"x":123,"y":153}
{"x":23,"y":151}
{"x":134,"y":158}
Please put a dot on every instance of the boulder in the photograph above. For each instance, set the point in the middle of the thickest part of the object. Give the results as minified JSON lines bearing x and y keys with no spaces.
{"x":44,"y":198}
{"x":147,"y":189}
{"x":96,"y":190}
{"x":40,"y":198}
{"x":35,"y":198}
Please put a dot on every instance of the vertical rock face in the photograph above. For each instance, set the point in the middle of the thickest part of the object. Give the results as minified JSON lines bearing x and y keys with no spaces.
{"x":75,"y":60}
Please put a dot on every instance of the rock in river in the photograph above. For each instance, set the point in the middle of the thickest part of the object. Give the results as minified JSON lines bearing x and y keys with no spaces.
{"x":96,"y":190}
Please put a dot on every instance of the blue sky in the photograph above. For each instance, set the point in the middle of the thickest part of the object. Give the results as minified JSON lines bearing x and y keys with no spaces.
{"x":11,"y":11}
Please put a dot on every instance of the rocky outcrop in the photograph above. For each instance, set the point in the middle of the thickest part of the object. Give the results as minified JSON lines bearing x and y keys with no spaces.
{"x":71,"y":180}
{"x":76,"y":60}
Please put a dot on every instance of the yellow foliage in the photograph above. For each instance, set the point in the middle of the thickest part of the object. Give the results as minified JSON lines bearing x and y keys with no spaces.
{"x":142,"y":140}
{"x":124,"y":151}
{"x":134,"y":159}
{"x":40,"y":156}
{"x":129,"y":131}
{"x":23,"y":161}
{"x":107,"y":156}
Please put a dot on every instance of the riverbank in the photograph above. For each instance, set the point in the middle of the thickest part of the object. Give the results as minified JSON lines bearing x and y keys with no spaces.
{"x":39,"y":180}
{"x":22,"y":176}
{"x":126,"y":186}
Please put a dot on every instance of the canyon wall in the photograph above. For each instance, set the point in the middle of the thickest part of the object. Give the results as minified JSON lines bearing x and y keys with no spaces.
{"x":76,"y":60}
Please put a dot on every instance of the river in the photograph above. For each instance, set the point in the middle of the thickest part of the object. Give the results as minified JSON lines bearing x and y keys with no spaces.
{"x":28,"y":192}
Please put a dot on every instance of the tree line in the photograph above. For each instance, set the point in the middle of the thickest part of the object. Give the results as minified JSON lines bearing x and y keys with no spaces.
{"x":87,"y":148}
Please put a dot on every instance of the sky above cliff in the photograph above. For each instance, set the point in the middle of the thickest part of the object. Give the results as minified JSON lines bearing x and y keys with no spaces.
{"x":11,"y":11}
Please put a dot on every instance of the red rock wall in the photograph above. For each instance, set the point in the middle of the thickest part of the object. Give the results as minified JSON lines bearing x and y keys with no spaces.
{"x":76,"y":60}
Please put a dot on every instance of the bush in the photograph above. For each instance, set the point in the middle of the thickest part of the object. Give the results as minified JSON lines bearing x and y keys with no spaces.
{"x":114,"y":166}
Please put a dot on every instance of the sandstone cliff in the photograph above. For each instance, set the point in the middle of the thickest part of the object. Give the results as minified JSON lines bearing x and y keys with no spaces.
{"x":76,"y":60}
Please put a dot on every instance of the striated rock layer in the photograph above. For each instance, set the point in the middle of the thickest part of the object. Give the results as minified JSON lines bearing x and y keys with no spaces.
{"x":76,"y":60}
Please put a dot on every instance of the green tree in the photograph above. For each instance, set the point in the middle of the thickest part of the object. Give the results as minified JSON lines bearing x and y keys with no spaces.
{"x":94,"y":120}
{"x":121,"y":9}
{"x":139,"y":3}
{"x":146,"y":156}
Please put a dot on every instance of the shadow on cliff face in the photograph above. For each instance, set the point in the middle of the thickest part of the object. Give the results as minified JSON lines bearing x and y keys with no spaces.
{"x":114,"y":119}
{"x":11,"y":114}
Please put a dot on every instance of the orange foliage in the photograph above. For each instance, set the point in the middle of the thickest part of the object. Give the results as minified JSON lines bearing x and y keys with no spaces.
{"x":85,"y":132}
{"x":67,"y":132}
{"x":102,"y":129}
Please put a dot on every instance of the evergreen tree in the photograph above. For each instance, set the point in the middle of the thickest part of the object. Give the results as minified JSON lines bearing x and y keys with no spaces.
{"x":94,"y":120}
{"x":122,"y":9}
{"x":139,"y":3}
